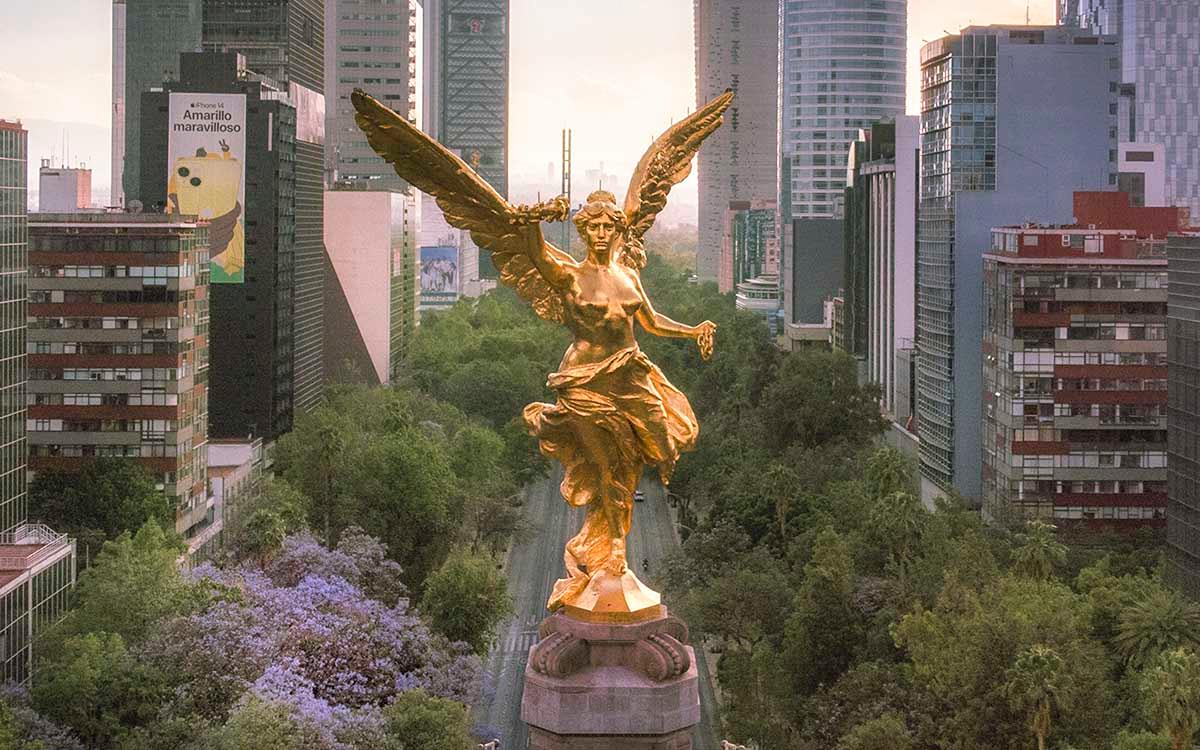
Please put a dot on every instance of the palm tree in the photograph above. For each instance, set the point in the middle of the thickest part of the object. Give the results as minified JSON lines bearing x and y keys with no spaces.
{"x":898,"y":518}
{"x":1038,"y":551}
{"x":1037,"y":685}
{"x":1171,"y":695}
{"x":888,"y":471}
{"x":1161,"y":621}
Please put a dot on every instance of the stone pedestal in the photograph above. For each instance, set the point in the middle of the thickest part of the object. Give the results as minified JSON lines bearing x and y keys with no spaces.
{"x":604,"y":685}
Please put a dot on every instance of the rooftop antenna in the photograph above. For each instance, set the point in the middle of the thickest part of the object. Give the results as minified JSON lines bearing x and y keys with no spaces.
{"x":566,"y":187}
{"x":1027,"y":14}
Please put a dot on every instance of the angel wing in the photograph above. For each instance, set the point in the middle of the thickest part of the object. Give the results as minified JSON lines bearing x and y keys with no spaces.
{"x":467,"y":201}
{"x":666,"y":164}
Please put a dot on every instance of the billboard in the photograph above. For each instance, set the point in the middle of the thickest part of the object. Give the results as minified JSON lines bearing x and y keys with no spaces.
{"x":206,"y":156}
{"x":439,"y":270}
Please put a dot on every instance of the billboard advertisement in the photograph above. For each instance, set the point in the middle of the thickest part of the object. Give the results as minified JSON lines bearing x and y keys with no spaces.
{"x":439,"y":270}
{"x":206,"y":156}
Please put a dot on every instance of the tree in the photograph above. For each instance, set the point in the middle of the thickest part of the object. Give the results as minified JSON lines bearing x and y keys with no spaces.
{"x":825,"y":402}
{"x":963,"y":649}
{"x":109,"y":496}
{"x":887,"y":731}
{"x":1037,"y":685}
{"x":133,"y":585}
{"x":897,"y":520}
{"x":1171,"y":695}
{"x":466,"y":600}
{"x":1038,"y":552}
{"x":823,"y":631}
{"x":1127,"y":740}
{"x":1161,"y":621}
{"x":888,"y":470}
{"x":422,"y":722}
{"x":98,"y":689}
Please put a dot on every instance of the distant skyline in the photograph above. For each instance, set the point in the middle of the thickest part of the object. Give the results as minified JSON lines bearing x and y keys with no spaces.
{"x":617,"y":74}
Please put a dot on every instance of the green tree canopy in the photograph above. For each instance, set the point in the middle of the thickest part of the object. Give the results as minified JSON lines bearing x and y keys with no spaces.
{"x":109,"y":496}
{"x":466,"y":600}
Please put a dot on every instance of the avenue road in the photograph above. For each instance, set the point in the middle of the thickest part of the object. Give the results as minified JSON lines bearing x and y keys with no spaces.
{"x":532,"y":567}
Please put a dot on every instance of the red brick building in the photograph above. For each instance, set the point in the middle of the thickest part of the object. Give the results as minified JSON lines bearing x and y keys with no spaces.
{"x":1075,"y":367}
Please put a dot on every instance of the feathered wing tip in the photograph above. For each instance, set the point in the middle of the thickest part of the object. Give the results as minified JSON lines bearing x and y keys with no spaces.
{"x":667,"y":163}
{"x":467,"y":201}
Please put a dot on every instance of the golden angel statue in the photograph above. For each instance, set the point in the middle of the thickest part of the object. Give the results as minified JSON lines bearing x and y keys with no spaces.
{"x":616,"y":412}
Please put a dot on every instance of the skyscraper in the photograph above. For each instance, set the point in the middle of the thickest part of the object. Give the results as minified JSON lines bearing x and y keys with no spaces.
{"x":1183,"y":412}
{"x":881,"y":242}
{"x":1160,"y":101}
{"x":37,"y":566}
{"x":252,"y":380}
{"x":841,"y":68}
{"x":284,"y":40}
{"x":737,"y":48}
{"x":161,"y":29}
{"x":14,"y":261}
{"x":466,"y":100}
{"x":374,"y":45}
{"x":1013,"y":119}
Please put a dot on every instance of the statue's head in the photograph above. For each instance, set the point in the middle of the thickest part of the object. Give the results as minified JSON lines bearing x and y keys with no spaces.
{"x":599,"y":221}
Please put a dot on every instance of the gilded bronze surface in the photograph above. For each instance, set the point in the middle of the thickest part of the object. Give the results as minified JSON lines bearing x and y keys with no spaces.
{"x":615,"y":411}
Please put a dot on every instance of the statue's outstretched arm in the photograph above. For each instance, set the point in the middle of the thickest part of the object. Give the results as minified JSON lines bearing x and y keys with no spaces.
{"x":554,"y":265}
{"x":660,"y":325}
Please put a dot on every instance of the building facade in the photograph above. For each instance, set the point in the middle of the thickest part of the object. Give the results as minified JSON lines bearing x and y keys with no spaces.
{"x":374,"y":45}
{"x":253,"y":377}
{"x":881,"y":246}
{"x":284,"y":41}
{"x":466,"y":58}
{"x":162,"y":29}
{"x":737,"y":48}
{"x":1160,"y":102}
{"x":14,"y":237}
{"x":749,"y":243}
{"x":1075,"y":368}
{"x":118,"y":349}
{"x":371,"y":291}
{"x":841,"y":68}
{"x":62,"y":189}
{"x":1183,"y":412}
{"x":1012,"y":120}
{"x":37,"y":566}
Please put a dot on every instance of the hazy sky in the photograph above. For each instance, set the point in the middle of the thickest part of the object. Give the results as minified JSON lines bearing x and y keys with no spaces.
{"x":617,"y":72}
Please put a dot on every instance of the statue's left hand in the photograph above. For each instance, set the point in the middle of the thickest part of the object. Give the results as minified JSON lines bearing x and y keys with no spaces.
{"x":705,"y":333}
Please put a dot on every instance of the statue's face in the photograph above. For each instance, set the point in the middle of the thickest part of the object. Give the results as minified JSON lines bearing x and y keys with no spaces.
{"x":600,"y":232}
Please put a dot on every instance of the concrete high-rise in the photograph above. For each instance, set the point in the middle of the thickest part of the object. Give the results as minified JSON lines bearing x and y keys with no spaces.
{"x":1075,"y":367}
{"x":371,"y":290}
{"x":148,"y":36}
{"x":253,"y":378}
{"x":841,"y":68}
{"x":1183,"y":412}
{"x":737,"y":48}
{"x":374,"y":45}
{"x":1160,"y":68}
{"x":1013,"y":119}
{"x":37,"y":566}
{"x":118,"y":349}
{"x":284,"y":40}
{"x":881,"y":251}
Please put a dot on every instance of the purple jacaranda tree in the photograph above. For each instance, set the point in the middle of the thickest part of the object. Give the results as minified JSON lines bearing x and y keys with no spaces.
{"x":305,"y":615}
